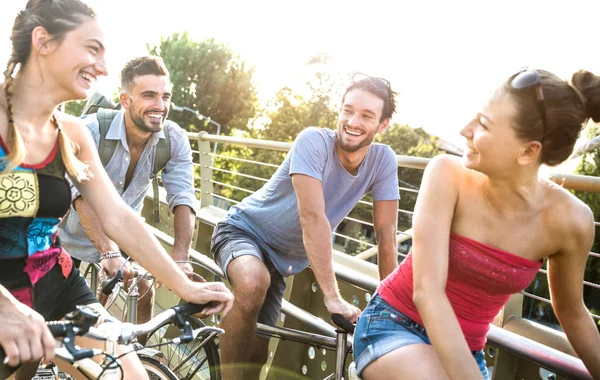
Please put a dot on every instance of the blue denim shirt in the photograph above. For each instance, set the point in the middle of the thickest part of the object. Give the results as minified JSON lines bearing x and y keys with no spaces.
{"x":177,"y":179}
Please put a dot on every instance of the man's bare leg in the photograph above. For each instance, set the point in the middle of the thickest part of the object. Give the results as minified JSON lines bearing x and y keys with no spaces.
{"x":145,"y":306}
{"x":242,"y":352}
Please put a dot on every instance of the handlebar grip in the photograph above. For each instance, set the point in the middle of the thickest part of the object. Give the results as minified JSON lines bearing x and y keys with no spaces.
{"x":343,"y":323}
{"x":109,"y":284}
{"x":59,"y":329}
{"x":191,"y":308}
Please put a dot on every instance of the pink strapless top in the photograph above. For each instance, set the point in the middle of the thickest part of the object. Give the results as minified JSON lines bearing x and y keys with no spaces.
{"x":481,"y":278}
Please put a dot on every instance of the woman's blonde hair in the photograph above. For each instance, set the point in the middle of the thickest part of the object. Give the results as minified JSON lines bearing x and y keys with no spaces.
{"x":58,"y":17}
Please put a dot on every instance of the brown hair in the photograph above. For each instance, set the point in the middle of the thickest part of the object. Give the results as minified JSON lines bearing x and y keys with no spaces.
{"x":568,"y":107}
{"x":379,"y":87}
{"x":58,"y":17}
{"x":148,"y":65}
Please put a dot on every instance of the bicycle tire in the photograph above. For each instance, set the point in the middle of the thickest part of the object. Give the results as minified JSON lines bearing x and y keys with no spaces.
{"x":202,"y":366}
{"x":157,"y":370}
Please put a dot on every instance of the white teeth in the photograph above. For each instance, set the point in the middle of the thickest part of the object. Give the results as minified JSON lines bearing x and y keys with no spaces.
{"x":156,"y":115}
{"x":353,"y":133}
{"x":87,"y":77}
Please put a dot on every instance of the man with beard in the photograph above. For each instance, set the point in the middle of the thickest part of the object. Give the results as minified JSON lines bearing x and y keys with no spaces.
{"x":138,"y":129}
{"x":287,"y":224}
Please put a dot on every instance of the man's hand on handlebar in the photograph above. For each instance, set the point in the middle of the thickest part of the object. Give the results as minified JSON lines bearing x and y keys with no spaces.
{"x":338,"y":305}
{"x":23,"y":333}
{"x":112,"y":265}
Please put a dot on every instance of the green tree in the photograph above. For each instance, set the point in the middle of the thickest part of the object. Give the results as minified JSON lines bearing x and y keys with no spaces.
{"x":208,"y":77}
{"x":589,"y":165}
{"x":74,"y":107}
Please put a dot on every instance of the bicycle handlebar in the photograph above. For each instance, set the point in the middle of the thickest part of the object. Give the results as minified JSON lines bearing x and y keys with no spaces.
{"x":81,"y":322}
{"x":343,"y":323}
{"x":109,"y":284}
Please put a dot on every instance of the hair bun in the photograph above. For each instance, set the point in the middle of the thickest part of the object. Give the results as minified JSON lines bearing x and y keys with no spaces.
{"x":588,"y":85}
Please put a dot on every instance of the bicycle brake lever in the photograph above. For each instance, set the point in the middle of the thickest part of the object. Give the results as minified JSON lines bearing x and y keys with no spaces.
{"x":109,"y":284}
{"x":77,"y":354}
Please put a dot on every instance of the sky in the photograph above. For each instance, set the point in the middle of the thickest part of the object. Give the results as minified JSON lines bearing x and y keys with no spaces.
{"x":443,"y":57}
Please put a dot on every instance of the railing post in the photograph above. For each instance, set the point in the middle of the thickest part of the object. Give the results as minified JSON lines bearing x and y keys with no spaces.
{"x":206,"y":187}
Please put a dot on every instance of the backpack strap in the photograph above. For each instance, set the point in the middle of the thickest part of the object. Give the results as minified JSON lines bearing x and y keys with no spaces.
{"x":106,"y":148}
{"x":163,"y":151}
{"x":162,"y":154}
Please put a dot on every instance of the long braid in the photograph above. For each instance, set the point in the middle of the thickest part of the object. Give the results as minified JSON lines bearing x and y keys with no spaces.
{"x":78,"y":170}
{"x":16,"y":147}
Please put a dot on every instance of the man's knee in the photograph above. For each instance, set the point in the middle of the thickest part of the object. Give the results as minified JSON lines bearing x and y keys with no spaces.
{"x":250,"y":280}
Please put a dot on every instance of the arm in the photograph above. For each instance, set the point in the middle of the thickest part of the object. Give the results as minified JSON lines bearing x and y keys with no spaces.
{"x":23,"y":332}
{"x":432,"y":223}
{"x":178,"y":181}
{"x":385,"y":217}
{"x":316,"y":233}
{"x":565,"y":276}
{"x":123,"y":226}
{"x":101,"y":242}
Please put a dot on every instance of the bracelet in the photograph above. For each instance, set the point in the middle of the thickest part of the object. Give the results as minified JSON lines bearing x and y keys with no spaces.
{"x":109,"y":255}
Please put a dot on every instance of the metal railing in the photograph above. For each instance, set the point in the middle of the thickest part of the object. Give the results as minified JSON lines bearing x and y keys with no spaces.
{"x":498,"y":337}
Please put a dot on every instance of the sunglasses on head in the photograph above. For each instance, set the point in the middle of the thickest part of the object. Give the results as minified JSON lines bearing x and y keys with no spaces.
{"x":531,"y":79}
{"x":378,"y":82}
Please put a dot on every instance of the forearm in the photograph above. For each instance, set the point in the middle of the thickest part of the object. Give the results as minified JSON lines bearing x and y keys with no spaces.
{"x":387,"y":256}
{"x":447,"y":337}
{"x":125,"y":228}
{"x":583,"y":336}
{"x":184,"y":232}
{"x":317,"y":242}
{"x":93,"y":228}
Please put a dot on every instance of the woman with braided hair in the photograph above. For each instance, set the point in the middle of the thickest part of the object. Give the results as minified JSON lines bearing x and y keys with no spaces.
{"x":58,"y":52}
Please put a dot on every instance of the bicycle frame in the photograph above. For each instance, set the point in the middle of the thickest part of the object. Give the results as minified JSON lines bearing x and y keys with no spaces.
{"x":339,"y":344}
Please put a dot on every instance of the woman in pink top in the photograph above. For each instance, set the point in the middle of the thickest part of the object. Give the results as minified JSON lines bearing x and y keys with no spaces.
{"x":483,"y":225}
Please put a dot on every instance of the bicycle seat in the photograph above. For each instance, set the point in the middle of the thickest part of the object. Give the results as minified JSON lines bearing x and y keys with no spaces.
{"x":343,"y":323}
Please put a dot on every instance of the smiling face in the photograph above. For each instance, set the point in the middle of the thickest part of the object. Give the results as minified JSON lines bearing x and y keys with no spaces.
{"x":147,"y":104}
{"x":77,"y":60}
{"x":358,"y":121}
{"x":492,"y":144}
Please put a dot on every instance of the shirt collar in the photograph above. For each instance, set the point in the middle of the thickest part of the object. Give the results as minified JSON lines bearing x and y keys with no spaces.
{"x":116,"y":131}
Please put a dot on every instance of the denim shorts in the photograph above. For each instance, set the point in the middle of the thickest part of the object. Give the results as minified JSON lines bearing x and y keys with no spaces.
{"x":382,"y":329}
{"x":230,"y":242}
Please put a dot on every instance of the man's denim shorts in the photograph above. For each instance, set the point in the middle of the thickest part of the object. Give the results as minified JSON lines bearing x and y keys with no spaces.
{"x":382,"y":329}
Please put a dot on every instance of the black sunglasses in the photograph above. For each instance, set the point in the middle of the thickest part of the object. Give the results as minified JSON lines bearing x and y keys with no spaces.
{"x":531,"y":79}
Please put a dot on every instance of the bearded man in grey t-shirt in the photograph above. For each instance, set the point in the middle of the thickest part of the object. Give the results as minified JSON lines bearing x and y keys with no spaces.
{"x":287,"y":224}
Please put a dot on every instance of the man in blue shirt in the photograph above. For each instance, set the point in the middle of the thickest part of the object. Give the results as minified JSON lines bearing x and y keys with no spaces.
{"x":138,"y":128}
{"x":287,"y":224}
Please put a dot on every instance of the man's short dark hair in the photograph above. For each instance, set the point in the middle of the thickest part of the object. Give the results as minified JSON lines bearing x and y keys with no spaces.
{"x":379,"y":87}
{"x":148,"y":65}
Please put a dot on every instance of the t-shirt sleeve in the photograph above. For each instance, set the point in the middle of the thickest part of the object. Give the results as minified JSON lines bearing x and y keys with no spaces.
{"x":385,"y":187}
{"x":309,"y":154}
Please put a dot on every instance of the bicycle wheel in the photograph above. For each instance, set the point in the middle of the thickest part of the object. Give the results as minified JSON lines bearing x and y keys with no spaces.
{"x":196,"y":360}
{"x":156,"y":370}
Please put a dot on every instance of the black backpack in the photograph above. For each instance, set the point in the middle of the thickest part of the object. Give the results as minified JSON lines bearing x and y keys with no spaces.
{"x":106,"y":111}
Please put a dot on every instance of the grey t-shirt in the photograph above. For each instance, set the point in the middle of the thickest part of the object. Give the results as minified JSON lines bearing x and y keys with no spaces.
{"x":271,"y":214}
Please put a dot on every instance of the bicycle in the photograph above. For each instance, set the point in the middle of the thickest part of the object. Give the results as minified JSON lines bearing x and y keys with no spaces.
{"x":82,"y":322}
{"x":197,"y":359}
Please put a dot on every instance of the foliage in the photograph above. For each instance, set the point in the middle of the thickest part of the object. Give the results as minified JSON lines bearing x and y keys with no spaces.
{"x":287,"y":114}
{"x":209,"y":78}
{"x":74,"y":107}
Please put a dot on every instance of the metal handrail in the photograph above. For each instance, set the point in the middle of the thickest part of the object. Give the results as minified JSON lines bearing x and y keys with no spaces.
{"x":515,"y":344}
{"x":569,"y":181}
